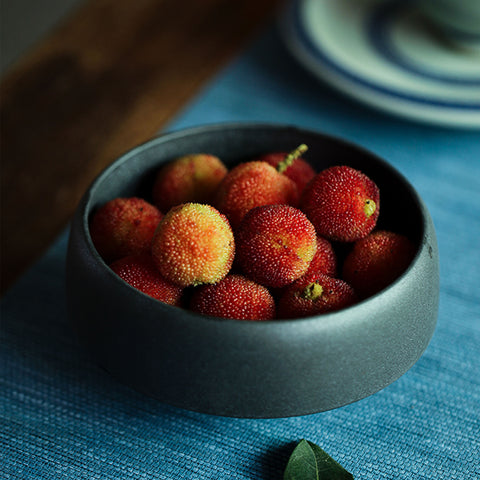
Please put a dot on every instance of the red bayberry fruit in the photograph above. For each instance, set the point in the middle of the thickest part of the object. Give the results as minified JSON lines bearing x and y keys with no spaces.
{"x":377,"y":260}
{"x":191,"y":178}
{"x":275,"y":244}
{"x":292,"y":165}
{"x":124,"y":226}
{"x":252,"y":184}
{"x":324,"y":260}
{"x":193,"y":245}
{"x":314,"y":294}
{"x":342,"y":203}
{"x":140,"y":272}
{"x":234,"y":297}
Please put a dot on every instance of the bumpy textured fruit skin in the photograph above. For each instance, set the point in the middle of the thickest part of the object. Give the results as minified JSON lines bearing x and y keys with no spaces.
{"x":342,"y":203}
{"x":140,"y":272}
{"x":300,"y":171}
{"x":234,"y":297}
{"x":191,"y":178}
{"x":124,"y":226}
{"x":377,"y":260}
{"x":252,"y":184}
{"x":193,"y":245}
{"x":314,"y":294}
{"x":275,"y":244}
{"x":325,"y":259}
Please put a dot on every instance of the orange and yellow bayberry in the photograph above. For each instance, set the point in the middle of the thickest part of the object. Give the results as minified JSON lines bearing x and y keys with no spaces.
{"x":253,"y":184}
{"x":193,"y":245}
{"x":190,"y":178}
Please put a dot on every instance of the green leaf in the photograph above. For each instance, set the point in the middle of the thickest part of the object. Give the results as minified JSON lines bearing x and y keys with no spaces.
{"x":309,"y":462}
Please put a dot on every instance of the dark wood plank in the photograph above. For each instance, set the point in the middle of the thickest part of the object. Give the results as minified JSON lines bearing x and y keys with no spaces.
{"x":108,"y":79}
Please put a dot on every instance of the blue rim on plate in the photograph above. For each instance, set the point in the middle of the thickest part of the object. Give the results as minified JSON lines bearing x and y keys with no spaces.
{"x":417,"y":102}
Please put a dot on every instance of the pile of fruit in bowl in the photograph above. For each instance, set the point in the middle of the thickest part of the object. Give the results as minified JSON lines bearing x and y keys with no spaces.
{"x":253,"y":270}
{"x":267,"y":238}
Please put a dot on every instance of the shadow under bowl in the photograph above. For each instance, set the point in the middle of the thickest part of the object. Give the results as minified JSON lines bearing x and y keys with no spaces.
{"x":248,"y":369}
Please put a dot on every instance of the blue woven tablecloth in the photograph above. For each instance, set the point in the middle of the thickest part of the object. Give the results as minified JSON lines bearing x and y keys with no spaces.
{"x":61,"y":417}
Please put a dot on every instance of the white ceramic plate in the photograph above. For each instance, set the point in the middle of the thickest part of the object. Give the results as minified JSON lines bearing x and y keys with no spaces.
{"x":385,"y":55}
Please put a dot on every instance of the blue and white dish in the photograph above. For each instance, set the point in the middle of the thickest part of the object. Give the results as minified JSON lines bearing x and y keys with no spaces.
{"x":385,"y":54}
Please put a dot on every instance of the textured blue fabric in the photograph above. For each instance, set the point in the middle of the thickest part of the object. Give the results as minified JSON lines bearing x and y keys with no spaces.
{"x":64,"y":418}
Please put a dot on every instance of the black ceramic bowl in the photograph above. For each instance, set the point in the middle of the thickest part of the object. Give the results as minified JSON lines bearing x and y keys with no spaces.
{"x":240,"y":368}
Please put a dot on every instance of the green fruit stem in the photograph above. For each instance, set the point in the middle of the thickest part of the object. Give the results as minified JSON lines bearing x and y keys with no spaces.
{"x":312,"y":291}
{"x":291,"y":157}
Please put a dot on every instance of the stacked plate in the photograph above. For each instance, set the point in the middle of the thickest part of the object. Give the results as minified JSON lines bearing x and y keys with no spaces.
{"x":385,"y":54}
